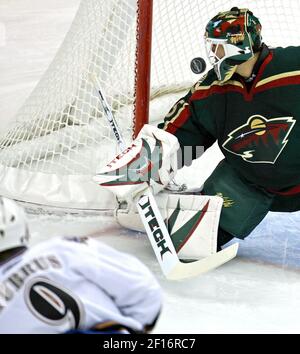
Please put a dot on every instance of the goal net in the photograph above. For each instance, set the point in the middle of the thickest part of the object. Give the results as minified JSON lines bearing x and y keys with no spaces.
{"x":60,"y":137}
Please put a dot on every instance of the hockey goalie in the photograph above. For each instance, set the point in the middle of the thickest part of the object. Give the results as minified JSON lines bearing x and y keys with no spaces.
{"x":248,"y":103}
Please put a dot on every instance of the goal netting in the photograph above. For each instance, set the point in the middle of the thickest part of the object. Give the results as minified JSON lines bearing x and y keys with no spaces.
{"x":60,"y":137}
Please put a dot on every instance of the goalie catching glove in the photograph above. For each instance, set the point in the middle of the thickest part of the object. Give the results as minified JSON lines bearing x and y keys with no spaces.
{"x":150,"y":161}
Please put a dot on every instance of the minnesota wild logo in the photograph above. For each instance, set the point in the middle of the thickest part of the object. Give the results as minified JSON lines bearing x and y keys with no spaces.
{"x":260,"y":140}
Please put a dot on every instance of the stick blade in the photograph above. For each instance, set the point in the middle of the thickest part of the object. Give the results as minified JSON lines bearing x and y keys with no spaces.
{"x":193,"y":269}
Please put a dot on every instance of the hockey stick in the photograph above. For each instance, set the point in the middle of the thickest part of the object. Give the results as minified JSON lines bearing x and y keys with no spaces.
{"x":155,"y":226}
{"x":110,"y":117}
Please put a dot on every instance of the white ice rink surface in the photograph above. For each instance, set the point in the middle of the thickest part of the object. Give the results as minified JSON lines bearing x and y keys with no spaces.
{"x":258,"y":292}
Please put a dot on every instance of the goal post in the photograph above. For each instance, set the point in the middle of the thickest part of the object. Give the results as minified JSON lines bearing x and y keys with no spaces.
{"x":143,"y":64}
{"x":140,"y":51}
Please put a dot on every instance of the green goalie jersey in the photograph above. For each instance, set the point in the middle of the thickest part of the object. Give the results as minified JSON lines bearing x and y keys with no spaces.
{"x":257,"y":124}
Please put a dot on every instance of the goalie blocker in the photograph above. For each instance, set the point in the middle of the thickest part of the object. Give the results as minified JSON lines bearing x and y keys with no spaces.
{"x":185,"y":225}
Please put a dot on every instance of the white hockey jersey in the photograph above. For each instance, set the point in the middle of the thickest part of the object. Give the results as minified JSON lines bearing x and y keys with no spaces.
{"x":66,"y":284}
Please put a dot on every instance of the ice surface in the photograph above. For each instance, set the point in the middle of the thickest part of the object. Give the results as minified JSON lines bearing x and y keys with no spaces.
{"x":258,"y":292}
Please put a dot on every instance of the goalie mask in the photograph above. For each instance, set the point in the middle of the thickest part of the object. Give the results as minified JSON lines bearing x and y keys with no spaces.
{"x":232,"y":38}
{"x":13,"y":226}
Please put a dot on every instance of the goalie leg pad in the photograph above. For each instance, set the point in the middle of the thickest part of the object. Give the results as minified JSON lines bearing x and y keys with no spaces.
{"x":192,"y":222}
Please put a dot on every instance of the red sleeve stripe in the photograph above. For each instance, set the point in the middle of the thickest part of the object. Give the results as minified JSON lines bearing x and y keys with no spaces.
{"x":285,"y":81}
{"x":178,"y":122}
{"x":201,"y":94}
{"x":292,"y":191}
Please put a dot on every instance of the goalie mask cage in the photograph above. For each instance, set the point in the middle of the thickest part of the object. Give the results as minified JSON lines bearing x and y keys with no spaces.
{"x":60,"y":137}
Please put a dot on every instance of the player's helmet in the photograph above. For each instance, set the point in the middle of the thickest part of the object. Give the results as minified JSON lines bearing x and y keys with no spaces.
{"x":13,"y":226}
{"x":238,"y":33}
